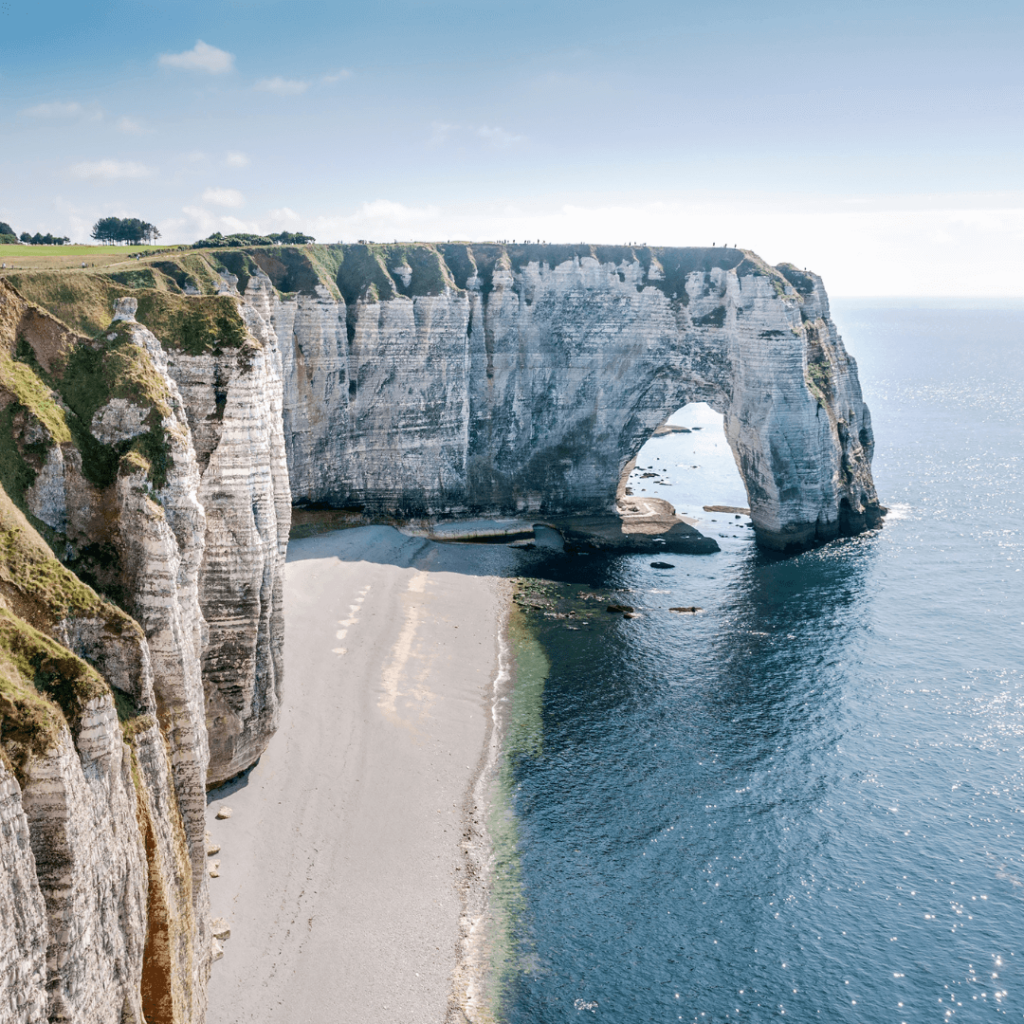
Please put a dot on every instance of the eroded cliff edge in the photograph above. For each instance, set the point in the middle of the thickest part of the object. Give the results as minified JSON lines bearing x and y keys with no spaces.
{"x":105,"y":700}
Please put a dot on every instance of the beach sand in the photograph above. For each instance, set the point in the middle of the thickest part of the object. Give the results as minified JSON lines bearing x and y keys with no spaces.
{"x":341,"y":869}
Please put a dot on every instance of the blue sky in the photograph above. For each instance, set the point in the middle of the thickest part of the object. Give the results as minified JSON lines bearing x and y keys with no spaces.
{"x":879,"y":143}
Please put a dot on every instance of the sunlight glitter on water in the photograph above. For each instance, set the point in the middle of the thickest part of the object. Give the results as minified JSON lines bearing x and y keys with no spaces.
{"x":807,"y":800}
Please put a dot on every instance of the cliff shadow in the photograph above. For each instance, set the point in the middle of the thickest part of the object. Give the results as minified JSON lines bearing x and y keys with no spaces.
{"x":386,"y":545}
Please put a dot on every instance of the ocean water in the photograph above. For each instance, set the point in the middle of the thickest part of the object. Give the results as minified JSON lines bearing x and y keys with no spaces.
{"x":807,"y":800}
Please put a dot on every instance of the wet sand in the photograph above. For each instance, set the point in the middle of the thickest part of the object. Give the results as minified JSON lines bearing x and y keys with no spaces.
{"x":341,"y":867}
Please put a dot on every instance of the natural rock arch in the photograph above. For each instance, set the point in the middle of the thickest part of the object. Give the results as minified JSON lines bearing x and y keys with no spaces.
{"x":455,"y":380}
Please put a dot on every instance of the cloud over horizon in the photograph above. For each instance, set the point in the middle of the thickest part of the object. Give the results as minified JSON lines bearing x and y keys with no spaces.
{"x":110,"y":170}
{"x":224,"y":197}
{"x":202,"y":57}
{"x":281,"y":86}
{"x":55,"y":110}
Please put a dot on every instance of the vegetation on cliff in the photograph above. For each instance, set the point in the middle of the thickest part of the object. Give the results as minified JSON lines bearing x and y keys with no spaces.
{"x":43,"y":685}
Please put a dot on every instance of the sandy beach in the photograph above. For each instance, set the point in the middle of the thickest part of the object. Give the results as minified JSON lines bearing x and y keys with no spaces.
{"x":341,"y":866}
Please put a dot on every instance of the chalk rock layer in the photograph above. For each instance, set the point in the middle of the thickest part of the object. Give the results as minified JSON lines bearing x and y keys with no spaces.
{"x":494,"y":380}
{"x":105,"y":755}
{"x":233,"y":398}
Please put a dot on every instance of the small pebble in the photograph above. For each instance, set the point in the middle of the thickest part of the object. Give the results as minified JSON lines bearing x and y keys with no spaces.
{"x":220,"y":928}
{"x":212,"y":848}
{"x":214,"y":869}
{"x":224,"y":812}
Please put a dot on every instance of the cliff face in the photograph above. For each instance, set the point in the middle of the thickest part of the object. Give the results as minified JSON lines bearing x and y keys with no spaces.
{"x":103,"y":717}
{"x":494,"y":380}
{"x":234,"y":398}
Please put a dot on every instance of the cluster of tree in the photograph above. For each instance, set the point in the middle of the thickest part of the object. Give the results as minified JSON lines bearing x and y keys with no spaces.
{"x":219,"y":241}
{"x":129,"y":230}
{"x":8,"y":237}
{"x":47,"y":239}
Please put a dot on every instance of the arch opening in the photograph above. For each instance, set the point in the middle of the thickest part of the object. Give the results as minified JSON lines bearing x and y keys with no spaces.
{"x":688,"y":462}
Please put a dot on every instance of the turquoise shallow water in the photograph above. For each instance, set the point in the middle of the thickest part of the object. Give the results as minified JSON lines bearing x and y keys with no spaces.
{"x":805,"y":802}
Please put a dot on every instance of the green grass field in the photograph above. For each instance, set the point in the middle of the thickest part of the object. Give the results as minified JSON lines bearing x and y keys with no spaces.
{"x":47,"y":257}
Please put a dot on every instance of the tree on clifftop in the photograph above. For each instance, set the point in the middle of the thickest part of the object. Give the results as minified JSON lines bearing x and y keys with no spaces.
{"x":129,"y":230}
{"x":47,"y":239}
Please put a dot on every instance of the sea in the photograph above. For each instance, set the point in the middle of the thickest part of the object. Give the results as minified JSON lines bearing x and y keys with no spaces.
{"x":806,"y":800}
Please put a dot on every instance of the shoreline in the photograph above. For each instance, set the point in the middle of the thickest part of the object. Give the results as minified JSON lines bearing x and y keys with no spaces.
{"x":355,"y":868}
{"x":469,"y":1000}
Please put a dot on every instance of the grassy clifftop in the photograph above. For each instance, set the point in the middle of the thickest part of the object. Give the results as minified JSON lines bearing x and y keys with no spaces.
{"x":366,"y":271}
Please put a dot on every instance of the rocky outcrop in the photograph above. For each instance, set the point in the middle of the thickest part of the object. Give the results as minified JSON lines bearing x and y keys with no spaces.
{"x":104,"y":750}
{"x":85,"y":766}
{"x":494,"y":380}
{"x":23,"y":930}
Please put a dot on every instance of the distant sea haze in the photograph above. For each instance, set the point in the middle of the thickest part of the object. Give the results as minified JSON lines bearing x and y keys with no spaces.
{"x":804,"y":801}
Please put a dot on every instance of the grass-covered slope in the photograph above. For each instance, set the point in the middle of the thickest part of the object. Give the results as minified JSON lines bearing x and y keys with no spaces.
{"x":52,"y":382}
{"x":43,"y":686}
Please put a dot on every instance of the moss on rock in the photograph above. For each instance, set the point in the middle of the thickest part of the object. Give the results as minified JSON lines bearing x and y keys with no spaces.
{"x":43,"y":685}
{"x":194,"y":325}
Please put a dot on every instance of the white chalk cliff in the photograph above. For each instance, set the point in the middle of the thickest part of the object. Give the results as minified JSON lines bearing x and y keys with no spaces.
{"x":106,"y":753}
{"x":467,"y":380}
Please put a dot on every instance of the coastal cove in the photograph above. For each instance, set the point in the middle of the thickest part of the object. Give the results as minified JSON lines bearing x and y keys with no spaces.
{"x":696,"y":815}
{"x":356,"y":661}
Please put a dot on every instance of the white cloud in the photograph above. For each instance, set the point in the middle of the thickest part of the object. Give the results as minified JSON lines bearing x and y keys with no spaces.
{"x":224,"y":197}
{"x":498,"y":138}
{"x":132,"y":127}
{"x":286,"y":218}
{"x":236,"y":160}
{"x":337,"y":76}
{"x":110,"y":170}
{"x":441,"y":132}
{"x":281,"y":86}
{"x":199,"y":222}
{"x":202,"y":57}
{"x":381,"y":220}
{"x":55,"y":110}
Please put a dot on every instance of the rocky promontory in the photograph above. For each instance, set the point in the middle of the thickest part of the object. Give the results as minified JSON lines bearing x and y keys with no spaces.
{"x":112,"y":658}
{"x":487,"y":380}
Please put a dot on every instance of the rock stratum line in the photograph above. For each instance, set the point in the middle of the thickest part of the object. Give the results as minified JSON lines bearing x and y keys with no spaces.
{"x":149,"y":464}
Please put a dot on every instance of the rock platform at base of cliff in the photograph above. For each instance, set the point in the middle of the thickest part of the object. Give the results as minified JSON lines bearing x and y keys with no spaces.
{"x":642,"y":525}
